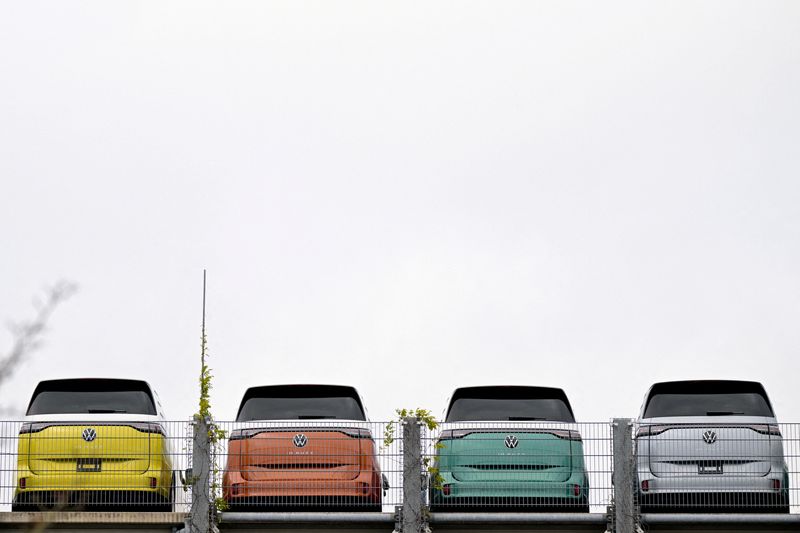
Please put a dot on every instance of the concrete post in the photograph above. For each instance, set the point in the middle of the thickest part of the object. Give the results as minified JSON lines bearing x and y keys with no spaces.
{"x":413,"y":517}
{"x":200,"y":514}
{"x":624,"y":479}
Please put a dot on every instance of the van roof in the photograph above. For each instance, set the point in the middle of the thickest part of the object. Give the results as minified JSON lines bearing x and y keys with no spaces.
{"x":710,"y":386}
{"x":91,"y":385}
{"x":510,"y":392}
{"x":300,"y":391}
{"x":705,"y":386}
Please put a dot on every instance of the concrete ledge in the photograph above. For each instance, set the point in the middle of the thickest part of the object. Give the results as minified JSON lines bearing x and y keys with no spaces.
{"x":541,"y":522}
{"x":89,"y":518}
{"x":307,"y":518}
{"x":307,"y":521}
{"x":593,"y":519}
{"x":720,"y":519}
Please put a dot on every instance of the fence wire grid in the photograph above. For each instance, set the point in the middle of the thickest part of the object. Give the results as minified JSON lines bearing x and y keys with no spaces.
{"x":725,"y":467}
{"x":333,"y":465}
{"x":95,"y":466}
{"x":318,"y":465}
{"x":519,"y":466}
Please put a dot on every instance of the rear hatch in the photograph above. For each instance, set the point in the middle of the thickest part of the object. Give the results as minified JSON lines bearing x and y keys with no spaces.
{"x":67,"y":448}
{"x":91,"y":425}
{"x":711,"y":449}
{"x":509,"y":434}
{"x":709,"y":428}
{"x":326,"y":453}
{"x":301,"y":432}
{"x":509,"y":455}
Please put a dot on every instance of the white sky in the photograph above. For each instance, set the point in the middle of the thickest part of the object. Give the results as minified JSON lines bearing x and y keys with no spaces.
{"x":405,"y":196}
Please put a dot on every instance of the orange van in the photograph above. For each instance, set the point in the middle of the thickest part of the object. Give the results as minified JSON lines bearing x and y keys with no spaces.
{"x":304,"y":447}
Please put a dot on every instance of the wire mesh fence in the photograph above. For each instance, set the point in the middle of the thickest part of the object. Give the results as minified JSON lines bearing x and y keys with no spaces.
{"x":311,"y":465}
{"x":519,"y":466}
{"x":723,"y":467}
{"x":329,"y":465}
{"x":94,"y":466}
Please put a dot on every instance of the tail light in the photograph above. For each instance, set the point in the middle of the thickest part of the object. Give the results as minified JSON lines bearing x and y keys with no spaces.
{"x":241,"y":434}
{"x":567,"y":434}
{"x":29,"y":427}
{"x":153,"y":483}
{"x":656,"y":429}
{"x":148,"y":428}
{"x":645,"y":485}
{"x":356,"y":433}
{"x":776,"y":484}
{"x":23,"y":482}
{"x":450,"y":434}
{"x":766,"y":429}
{"x":446,"y":490}
{"x":576,"y":490}
{"x":144,"y":427}
{"x":651,"y":430}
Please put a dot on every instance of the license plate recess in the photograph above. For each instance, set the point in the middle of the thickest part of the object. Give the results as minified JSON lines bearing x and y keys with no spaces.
{"x":709,"y":468}
{"x":89,"y":465}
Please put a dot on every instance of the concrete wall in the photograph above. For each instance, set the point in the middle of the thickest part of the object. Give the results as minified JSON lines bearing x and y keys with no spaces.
{"x":67,"y":522}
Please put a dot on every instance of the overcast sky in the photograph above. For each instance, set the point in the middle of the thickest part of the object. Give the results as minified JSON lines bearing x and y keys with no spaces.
{"x":405,"y":196}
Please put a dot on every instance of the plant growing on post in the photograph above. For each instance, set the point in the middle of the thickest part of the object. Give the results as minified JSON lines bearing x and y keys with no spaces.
{"x":215,"y":434}
{"x":430,"y":422}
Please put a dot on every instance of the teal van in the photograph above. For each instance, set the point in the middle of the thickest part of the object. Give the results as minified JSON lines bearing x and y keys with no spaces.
{"x":509,"y":448}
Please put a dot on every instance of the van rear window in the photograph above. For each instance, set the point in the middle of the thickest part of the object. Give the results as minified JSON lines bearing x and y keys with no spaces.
{"x":92,"y":396}
{"x":301,"y":402}
{"x":707,"y":399}
{"x":509,"y":403}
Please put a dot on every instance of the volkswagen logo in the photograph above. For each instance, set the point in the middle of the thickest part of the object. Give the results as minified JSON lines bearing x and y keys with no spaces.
{"x":511,"y":441}
{"x":710,"y":437}
{"x":300,"y":440}
{"x":89,"y":434}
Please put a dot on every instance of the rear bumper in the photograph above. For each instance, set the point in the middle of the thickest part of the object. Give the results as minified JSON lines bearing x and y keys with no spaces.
{"x":769,"y":493}
{"x":59,"y":485}
{"x":303,"y":503}
{"x":364,"y":489}
{"x":715,"y":484}
{"x":563,"y":494}
{"x":100,"y":500}
{"x":718,"y":502}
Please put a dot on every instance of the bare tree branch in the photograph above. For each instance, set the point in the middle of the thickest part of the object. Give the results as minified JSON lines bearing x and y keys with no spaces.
{"x":28,"y":335}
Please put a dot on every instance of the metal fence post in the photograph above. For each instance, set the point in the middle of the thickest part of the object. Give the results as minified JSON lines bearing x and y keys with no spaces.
{"x":413,"y":504}
{"x":623,"y":477}
{"x":200,"y":514}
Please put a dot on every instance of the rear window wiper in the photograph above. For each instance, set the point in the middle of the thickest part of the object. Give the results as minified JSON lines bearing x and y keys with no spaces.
{"x":723,"y":413}
{"x":526,"y":418}
{"x":107,"y":410}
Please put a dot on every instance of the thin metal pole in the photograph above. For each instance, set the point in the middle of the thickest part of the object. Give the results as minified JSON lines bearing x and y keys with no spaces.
{"x":203,"y":327}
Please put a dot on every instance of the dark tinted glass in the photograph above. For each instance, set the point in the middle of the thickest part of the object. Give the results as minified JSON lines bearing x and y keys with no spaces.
{"x":708,"y":404}
{"x":91,"y":396}
{"x":473,"y":409}
{"x":320,"y":408}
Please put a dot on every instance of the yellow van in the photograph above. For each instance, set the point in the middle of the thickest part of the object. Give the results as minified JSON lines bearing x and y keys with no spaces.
{"x":94,"y":443}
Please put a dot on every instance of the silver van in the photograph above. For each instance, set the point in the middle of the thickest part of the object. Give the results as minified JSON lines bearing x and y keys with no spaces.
{"x":710,"y":445}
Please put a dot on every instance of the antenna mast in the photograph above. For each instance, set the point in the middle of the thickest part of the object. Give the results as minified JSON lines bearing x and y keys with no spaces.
{"x":203,"y":327}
